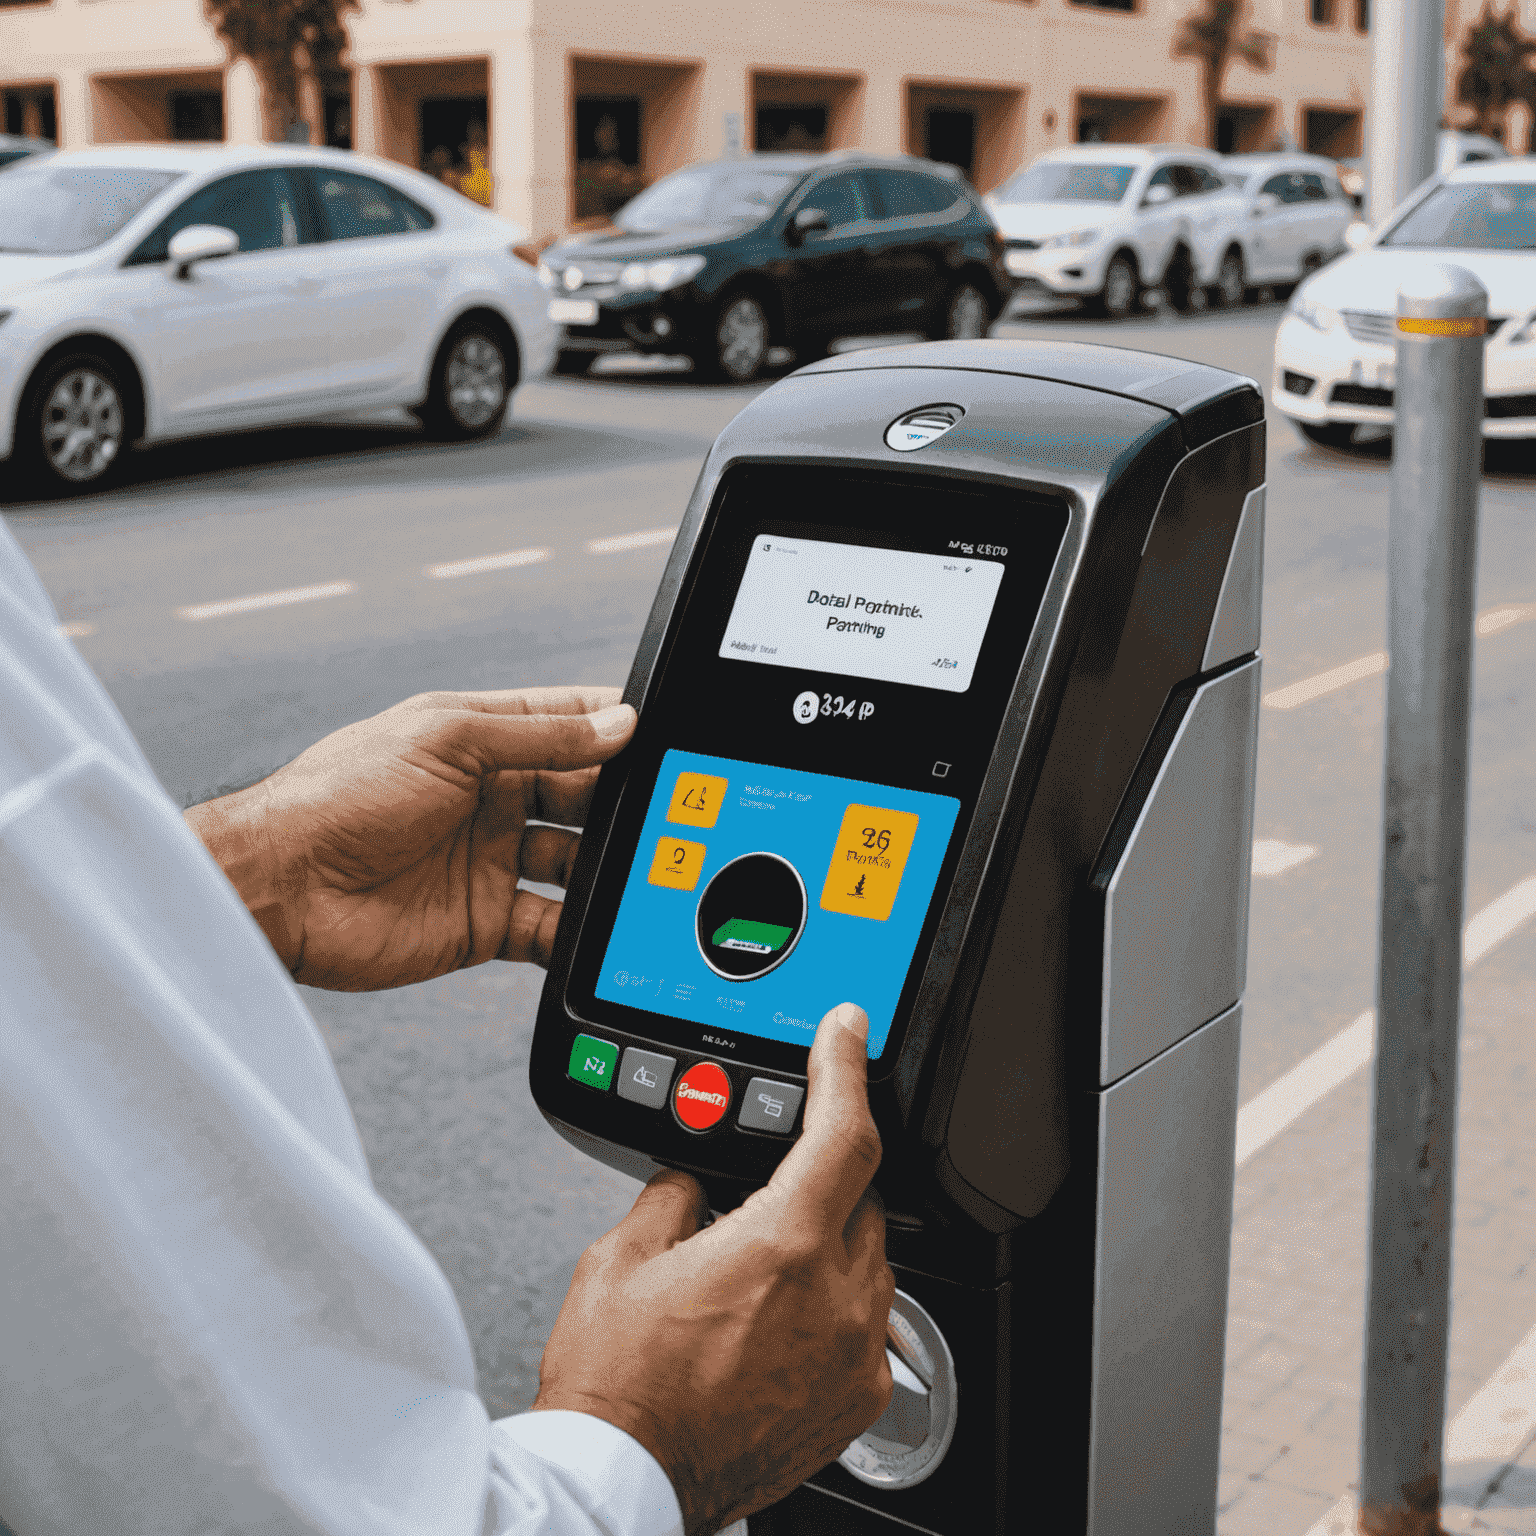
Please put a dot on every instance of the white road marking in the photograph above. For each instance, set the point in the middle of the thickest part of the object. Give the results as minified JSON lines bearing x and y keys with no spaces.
{"x":1482,"y":1443}
{"x":267,"y":600}
{"x":623,"y":541}
{"x":76,"y":629}
{"x":506,"y":562}
{"x":1331,"y":681}
{"x":1498,"y":920}
{"x":1493,"y":622}
{"x":1496,"y":619}
{"x":1288,"y":1098}
{"x":1272,"y":857}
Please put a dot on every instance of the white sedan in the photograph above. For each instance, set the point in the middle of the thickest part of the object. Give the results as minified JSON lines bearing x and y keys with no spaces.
{"x":1105,"y":222}
{"x":155,"y":293}
{"x":1335,"y":352}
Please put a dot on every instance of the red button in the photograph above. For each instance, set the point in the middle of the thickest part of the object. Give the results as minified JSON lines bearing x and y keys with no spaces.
{"x":702,"y":1096}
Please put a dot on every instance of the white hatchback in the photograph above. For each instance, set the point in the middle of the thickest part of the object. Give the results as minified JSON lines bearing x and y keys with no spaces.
{"x":1335,"y":352}
{"x":1104,"y":222}
{"x":149,"y":293}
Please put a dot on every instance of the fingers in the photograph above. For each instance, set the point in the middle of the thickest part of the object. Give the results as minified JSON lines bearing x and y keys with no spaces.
{"x":531,"y":928}
{"x":557,"y":742}
{"x":563,"y":798}
{"x":864,"y":1236}
{"x":670,"y":1209}
{"x":520,"y":701}
{"x":830,"y":1166}
{"x":548,"y":854}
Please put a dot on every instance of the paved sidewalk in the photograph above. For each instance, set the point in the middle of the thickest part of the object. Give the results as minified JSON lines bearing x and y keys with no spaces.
{"x":1290,"y":1441}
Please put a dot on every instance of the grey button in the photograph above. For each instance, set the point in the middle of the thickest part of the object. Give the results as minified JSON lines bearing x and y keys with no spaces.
{"x":769,"y":1106}
{"x":645,"y":1077}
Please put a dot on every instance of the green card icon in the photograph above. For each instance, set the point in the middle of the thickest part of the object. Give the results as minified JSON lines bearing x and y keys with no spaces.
{"x":756,"y":938}
{"x":593,"y":1061}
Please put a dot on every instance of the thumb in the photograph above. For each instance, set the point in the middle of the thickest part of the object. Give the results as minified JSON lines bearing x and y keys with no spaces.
{"x":557,"y":742}
{"x":670,"y":1209}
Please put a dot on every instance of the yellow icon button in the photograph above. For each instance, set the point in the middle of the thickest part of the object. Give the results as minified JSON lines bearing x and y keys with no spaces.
{"x":871,"y":852}
{"x":677,"y":864}
{"x":696,"y":799}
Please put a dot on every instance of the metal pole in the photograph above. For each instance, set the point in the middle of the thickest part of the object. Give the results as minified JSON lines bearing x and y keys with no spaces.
{"x":1432,"y":559}
{"x":1407,"y":86}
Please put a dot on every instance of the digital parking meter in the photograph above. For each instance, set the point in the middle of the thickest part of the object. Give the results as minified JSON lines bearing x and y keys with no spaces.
{"x":948,"y":706}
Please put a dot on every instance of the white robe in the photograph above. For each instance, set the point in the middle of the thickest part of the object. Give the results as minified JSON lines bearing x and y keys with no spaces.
{"x":209,"y":1320}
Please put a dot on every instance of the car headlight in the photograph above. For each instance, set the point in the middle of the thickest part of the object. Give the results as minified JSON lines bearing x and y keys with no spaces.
{"x":1318,"y":316}
{"x":659,"y":276}
{"x":548,"y":276}
{"x":1071,"y":237}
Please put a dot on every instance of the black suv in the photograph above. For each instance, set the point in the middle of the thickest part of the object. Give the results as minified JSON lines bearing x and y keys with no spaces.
{"x":724,"y":261}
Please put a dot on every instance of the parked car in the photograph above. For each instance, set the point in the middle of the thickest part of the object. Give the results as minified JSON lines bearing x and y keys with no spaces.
{"x":727,"y":260}
{"x":14,"y":147}
{"x":1335,"y":352}
{"x":1291,"y":215}
{"x":1452,"y":148}
{"x":154,"y":293}
{"x":1103,"y":223}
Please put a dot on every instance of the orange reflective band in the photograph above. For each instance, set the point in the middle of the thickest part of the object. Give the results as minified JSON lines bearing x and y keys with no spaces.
{"x":1471,"y":325}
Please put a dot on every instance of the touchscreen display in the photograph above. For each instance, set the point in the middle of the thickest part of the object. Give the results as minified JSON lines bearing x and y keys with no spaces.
{"x":891,"y":614}
{"x":758,"y":893}
{"x":812,"y":748}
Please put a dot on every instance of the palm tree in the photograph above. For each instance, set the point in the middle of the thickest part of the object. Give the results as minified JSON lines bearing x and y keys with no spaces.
{"x":285,"y":41}
{"x":1214,"y":36}
{"x":1497,"y":72}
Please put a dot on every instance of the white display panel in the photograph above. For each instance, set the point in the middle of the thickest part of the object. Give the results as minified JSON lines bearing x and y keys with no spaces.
{"x":887,"y":614}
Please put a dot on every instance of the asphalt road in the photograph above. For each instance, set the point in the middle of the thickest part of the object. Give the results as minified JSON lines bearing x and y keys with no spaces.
{"x":437,"y":1073}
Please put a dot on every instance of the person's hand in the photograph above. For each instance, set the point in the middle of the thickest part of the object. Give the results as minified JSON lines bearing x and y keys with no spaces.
{"x":746,"y":1355}
{"x":391,"y":850}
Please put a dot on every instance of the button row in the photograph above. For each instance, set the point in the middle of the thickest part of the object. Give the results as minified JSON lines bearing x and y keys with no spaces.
{"x":701,"y":1096}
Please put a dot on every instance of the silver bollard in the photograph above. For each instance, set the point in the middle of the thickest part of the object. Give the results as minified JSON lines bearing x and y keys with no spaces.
{"x":1432,"y":560}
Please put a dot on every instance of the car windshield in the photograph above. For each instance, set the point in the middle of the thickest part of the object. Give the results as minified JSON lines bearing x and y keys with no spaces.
{"x":56,"y":210}
{"x":1472,"y":216}
{"x":1063,"y":181}
{"x":709,"y":195}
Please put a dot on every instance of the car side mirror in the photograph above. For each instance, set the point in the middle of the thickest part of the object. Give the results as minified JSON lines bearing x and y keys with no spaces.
{"x":1265,"y":202}
{"x":200,"y":242}
{"x":804,"y":221}
{"x":1157,"y":196}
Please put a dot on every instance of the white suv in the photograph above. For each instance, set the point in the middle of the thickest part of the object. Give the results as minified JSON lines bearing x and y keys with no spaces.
{"x":1291,"y":214}
{"x":1103,"y":222}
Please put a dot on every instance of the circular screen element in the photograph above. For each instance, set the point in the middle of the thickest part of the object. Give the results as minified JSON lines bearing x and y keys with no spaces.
{"x":751,"y":916}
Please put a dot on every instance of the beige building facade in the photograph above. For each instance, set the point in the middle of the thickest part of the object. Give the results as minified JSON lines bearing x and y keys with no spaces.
{"x":583,"y":101}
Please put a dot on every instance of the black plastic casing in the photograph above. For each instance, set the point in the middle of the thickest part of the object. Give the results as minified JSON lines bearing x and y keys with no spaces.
{"x":991,"y":1110}
{"x":1154,"y":457}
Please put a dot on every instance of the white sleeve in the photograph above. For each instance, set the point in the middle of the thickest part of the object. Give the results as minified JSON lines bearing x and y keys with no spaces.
{"x":212,"y":1322}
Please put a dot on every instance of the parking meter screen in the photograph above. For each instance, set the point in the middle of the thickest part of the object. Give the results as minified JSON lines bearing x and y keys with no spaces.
{"x":815,"y":739}
{"x":760,"y":892}
{"x":890,"y":614}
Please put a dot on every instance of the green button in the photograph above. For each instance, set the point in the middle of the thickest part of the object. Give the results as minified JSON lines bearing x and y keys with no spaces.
{"x":593,"y":1061}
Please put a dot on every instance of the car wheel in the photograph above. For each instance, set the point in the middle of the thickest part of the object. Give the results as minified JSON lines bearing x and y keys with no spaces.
{"x":967,"y":314}
{"x":740,"y":340}
{"x":471,"y":385}
{"x":74,"y":428}
{"x":1231,"y":280}
{"x":1328,"y":434}
{"x":1122,"y":288}
{"x":571,"y":364}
